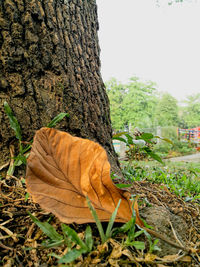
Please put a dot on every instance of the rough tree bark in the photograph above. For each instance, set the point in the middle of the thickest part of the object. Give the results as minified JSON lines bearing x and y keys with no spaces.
{"x":49,"y":63}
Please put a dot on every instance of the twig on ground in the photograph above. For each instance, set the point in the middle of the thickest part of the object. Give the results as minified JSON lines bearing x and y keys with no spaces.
{"x":5,"y":247}
{"x":175,"y":235}
{"x":158,"y":235}
{"x":4,"y":166}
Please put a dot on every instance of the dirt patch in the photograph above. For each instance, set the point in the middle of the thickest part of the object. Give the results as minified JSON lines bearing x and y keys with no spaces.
{"x":21,"y":239}
{"x":169,"y":225}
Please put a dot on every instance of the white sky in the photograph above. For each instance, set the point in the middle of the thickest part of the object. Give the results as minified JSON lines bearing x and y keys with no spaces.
{"x":161,"y":44}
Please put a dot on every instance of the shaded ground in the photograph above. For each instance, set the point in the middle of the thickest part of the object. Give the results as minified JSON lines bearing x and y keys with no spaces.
{"x":188,"y":158}
{"x":20,"y":238}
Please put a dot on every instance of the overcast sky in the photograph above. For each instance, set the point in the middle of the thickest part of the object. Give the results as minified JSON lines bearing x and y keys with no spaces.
{"x":161,"y":44}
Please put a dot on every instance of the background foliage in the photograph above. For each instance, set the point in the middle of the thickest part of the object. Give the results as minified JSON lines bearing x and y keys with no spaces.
{"x":138,"y":104}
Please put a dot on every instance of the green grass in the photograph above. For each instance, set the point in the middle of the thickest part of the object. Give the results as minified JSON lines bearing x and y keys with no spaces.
{"x":70,"y":236}
{"x":181,"y":178}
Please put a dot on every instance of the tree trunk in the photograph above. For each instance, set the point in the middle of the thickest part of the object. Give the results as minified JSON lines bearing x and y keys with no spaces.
{"x":49,"y":63}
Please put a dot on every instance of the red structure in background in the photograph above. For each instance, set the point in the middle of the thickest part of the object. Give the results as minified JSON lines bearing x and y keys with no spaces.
{"x":192,"y":135}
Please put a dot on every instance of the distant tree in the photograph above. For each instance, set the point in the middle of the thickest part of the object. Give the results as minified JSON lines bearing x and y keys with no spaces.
{"x":167,"y":111}
{"x":132,"y":103}
{"x":116,"y":92}
{"x":191,"y":112}
{"x":181,"y":120}
{"x":140,"y":103}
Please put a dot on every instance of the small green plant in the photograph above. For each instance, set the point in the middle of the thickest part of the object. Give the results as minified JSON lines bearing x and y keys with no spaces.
{"x":76,"y":246}
{"x":55,"y":239}
{"x":23,"y":149}
{"x":141,"y":146}
{"x":104,"y":236}
{"x":152,"y":244}
{"x":130,"y":228}
{"x":71,"y":236}
{"x":67,"y":238}
{"x":13,"y":121}
{"x":21,"y":157}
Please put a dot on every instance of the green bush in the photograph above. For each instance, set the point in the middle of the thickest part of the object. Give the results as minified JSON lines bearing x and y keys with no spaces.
{"x":183,"y":147}
{"x":178,"y":148}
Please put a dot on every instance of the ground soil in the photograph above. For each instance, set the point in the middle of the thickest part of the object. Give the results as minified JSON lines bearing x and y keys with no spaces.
{"x":20,"y":238}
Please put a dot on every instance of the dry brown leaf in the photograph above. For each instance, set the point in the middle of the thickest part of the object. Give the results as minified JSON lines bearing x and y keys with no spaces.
{"x":170,"y":257}
{"x":117,"y":250}
{"x":127,"y":253}
{"x":175,"y":257}
{"x":103,"y":247}
{"x":186,"y":259}
{"x":150,"y":258}
{"x":62,"y":170}
{"x":113,"y":262}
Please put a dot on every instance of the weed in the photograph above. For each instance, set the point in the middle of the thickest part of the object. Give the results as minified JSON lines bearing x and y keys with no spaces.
{"x":67,"y":238}
{"x":109,"y":230}
{"x":23,"y":149}
{"x":132,"y":234}
{"x":141,"y":146}
{"x":77,"y":247}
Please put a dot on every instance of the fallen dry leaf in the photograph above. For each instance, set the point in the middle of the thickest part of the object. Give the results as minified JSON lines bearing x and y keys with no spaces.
{"x":113,"y":262}
{"x":103,"y":247}
{"x":116,"y":250}
{"x":186,"y":258}
{"x":127,"y":253}
{"x":62,"y":170}
{"x":149,"y":258}
{"x":170,"y":257}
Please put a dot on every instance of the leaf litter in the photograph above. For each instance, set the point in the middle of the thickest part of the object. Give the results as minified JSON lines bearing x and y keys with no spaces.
{"x":21,"y":239}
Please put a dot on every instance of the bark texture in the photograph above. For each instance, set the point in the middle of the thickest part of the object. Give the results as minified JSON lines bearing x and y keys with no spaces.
{"x":49,"y":63}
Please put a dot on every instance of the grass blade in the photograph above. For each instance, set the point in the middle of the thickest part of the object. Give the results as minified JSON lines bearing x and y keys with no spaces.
{"x":123,"y":229}
{"x":49,"y":244}
{"x":74,"y":236}
{"x":137,"y":244}
{"x":70,"y":256}
{"x":126,"y":227}
{"x":88,"y":238}
{"x":111,"y":221}
{"x":57,"y":119}
{"x":123,"y":185}
{"x":47,"y":228}
{"x":138,"y":233}
{"x":98,"y":223}
{"x":13,"y":121}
